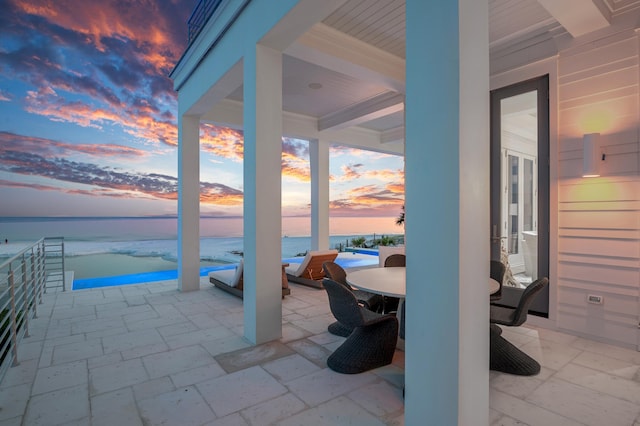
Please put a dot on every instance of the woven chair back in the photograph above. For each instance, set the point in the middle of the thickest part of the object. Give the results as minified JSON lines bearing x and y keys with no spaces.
{"x":344,"y":305}
{"x":335,"y":272}
{"x":528,"y":296}
{"x":395,"y":260}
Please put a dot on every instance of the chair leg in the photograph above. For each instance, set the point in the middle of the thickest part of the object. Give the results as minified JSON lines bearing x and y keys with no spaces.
{"x":366,"y":348}
{"x":505,"y":357}
{"x":339,"y":329}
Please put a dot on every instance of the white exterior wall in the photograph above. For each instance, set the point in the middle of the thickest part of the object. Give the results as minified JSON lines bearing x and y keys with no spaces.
{"x":599,"y":218}
{"x":594,"y":222}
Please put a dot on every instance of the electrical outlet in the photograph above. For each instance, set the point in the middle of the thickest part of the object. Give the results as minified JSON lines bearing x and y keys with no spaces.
{"x":595,"y":299}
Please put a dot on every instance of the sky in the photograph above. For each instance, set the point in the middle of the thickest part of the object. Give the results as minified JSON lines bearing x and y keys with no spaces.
{"x":88,"y":122}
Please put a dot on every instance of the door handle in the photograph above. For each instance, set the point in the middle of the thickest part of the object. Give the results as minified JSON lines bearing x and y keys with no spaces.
{"x":494,"y":235}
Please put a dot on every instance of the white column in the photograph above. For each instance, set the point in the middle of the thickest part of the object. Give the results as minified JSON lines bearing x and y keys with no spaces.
{"x":262,"y":194}
{"x":319,"y":162}
{"x":188,"y":203}
{"x":474,"y":212}
{"x":443,"y":202}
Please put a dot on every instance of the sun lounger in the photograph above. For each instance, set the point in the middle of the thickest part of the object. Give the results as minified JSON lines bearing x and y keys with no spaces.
{"x":231,"y":280}
{"x":310,"y":272}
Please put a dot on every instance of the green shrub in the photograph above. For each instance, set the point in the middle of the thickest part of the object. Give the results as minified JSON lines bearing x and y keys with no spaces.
{"x":358,"y":241}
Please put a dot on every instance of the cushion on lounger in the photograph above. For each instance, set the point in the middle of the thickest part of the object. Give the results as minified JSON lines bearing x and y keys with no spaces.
{"x":319,"y":257}
{"x":230,"y":277}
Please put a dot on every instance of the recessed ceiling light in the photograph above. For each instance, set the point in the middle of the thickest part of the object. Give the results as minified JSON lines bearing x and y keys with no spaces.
{"x":315,"y":86}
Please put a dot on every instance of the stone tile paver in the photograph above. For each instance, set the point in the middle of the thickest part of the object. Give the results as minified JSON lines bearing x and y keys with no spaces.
{"x":231,"y":393}
{"x":175,"y":361}
{"x":184,"y":407}
{"x":60,"y":407}
{"x":114,"y":409}
{"x":115,"y":376}
{"x":60,"y":376}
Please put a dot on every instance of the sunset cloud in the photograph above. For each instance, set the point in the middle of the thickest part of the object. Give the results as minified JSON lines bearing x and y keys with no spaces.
{"x":52,"y":148}
{"x":155,"y":28}
{"x":352,"y":172}
{"x":114,"y":57}
{"x":295,"y":160}
{"x":222,"y":142}
{"x":17,"y":156}
{"x":91,"y":111}
{"x":370,"y":200}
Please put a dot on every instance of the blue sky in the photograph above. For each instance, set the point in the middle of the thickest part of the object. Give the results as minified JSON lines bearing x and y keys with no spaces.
{"x":88,"y":122}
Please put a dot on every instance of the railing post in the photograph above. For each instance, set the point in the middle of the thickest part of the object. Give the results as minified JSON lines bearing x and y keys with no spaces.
{"x":44,"y":266}
{"x":34,"y":290}
{"x":14,"y":325}
{"x":25,"y":296}
{"x":40,"y":266}
{"x":64,"y":281}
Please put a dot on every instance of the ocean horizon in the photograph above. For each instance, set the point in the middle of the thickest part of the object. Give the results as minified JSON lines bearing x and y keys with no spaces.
{"x":152,"y":241}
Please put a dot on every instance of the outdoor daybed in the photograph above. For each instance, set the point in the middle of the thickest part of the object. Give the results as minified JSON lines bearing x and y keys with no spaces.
{"x":310,"y":272}
{"x":231,"y":280}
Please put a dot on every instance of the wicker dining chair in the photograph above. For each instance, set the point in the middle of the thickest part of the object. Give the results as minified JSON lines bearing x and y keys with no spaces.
{"x":373,"y":340}
{"x":513,"y":317}
{"x":395,"y":260}
{"x":373,"y":302}
{"x":504,"y":356}
{"x":497,"y":272}
{"x":335,"y":272}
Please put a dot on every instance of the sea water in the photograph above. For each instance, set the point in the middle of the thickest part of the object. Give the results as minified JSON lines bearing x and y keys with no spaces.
{"x":156,"y":237}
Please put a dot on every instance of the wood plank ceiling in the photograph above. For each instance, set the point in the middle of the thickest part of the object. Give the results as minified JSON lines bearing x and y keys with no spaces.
{"x":316,"y":91}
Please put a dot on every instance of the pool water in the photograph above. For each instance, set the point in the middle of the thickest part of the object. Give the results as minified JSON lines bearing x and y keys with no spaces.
{"x":346,"y":260}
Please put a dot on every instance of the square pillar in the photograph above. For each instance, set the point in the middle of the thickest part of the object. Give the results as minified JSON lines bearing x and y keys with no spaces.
{"x":474,"y":213}
{"x":188,"y":203}
{"x":262,"y":194}
{"x":447,"y":205}
{"x":319,"y":164}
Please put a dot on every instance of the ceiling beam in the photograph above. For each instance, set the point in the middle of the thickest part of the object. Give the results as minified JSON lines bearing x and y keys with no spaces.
{"x":329,"y":48}
{"x":228,"y":113}
{"x":219,"y":91}
{"x":298,"y":20}
{"x":392,"y":135}
{"x":578,"y":17}
{"x":370,"y":109}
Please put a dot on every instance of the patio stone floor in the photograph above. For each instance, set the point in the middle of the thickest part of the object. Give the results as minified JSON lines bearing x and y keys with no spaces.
{"x":150,"y":355}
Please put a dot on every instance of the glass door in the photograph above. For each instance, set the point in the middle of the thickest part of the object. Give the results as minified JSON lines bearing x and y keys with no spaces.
{"x":520,"y":187}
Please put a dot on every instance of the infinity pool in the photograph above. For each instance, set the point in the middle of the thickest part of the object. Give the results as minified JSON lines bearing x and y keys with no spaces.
{"x":346,"y":260}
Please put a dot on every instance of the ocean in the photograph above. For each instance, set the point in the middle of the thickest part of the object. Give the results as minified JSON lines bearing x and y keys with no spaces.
{"x":146,"y":244}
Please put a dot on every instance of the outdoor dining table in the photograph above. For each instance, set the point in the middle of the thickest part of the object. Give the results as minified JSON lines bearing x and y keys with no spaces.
{"x":385,"y":281}
{"x":390,"y":281}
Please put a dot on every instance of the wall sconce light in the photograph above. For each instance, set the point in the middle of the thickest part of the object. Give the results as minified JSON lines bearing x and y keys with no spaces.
{"x":591,"y":155}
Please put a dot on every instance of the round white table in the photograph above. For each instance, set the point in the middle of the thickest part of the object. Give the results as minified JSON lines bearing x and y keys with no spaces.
{"x":390,"y":281}
{"x":494,"y":286}
{"x":385,"y":281}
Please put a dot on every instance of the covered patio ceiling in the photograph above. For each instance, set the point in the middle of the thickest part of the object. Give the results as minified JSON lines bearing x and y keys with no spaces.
{"x":347,"y":72}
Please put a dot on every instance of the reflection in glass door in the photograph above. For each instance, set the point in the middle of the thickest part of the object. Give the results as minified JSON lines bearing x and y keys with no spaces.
{"x":520,"y":186}
{"x":519,"y":212}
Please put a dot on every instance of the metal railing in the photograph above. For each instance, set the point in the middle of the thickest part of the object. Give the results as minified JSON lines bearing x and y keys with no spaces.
{"x":23,"y":280}
{"x":200,"y":15}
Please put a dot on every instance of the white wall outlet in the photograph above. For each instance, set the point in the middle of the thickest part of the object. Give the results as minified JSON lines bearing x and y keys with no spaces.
{"x":595,"y":299}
